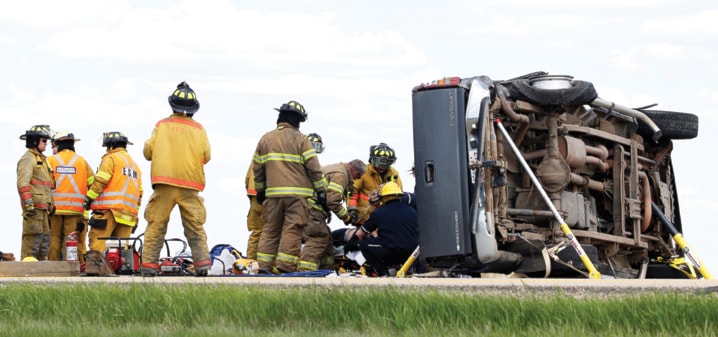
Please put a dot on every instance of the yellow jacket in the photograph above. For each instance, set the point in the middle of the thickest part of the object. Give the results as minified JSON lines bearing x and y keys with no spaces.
{"x":179,"y":149}
{"x":369,"y":182}
{"x":249,"y":180}
{"x":117,"y":186}
{"x":34,"y":180}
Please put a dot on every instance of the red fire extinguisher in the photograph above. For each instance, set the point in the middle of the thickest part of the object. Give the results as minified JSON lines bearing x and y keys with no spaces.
{"x":71,"y":246}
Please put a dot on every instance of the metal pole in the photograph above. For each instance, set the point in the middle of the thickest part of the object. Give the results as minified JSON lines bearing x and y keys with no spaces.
{"x":592,"y":272}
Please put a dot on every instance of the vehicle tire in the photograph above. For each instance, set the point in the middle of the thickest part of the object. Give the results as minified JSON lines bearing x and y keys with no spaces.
{"x":673,"y":125}
{"x":581,"y":92}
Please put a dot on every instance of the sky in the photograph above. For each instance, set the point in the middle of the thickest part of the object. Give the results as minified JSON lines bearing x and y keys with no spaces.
{"x":93,"y":66}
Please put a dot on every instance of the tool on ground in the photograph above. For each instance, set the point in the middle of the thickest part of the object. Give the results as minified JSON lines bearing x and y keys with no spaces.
{"x":681,"y":242}
{"x":592,"y":271}
{"x":409,"y":262}
{"x":121,"y":256}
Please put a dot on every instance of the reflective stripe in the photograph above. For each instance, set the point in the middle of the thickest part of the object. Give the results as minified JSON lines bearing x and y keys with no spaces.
{"x":284,"y":257}
{"x":306,"y":265}
{"x":289,"y":190}
{"x":178,"y":182}
{"x":41,"y":183}
{"x":268,"y":258}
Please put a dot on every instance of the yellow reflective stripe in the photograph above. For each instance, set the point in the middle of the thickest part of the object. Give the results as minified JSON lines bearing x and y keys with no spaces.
{"x":284,"y":257}
{"x":336,"y":187}
{"x":90,"y":180}
{"x":306,"y":265}
{"x":263,"y":257}
{"x":320,"y":184}
{"x":343,"y":212}
{"x":309,"y":154}
{"x":275,"y":156}
{"x":92,"y":194}
{"x":104,"y":175}
{"x":276,"y":191}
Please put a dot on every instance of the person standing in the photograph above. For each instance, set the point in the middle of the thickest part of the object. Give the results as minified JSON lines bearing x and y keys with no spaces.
{"x":116,"y":194}
{"x":379,"y":171}
{"x":178,"y":149}
{"x":73,"y":175}
{"x":286,"y":173}
{"x":34,"y":185}
{"x":254,"y":216}
{"x":317,"y":235}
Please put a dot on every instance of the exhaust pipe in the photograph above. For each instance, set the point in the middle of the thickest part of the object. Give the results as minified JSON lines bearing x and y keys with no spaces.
{"x":600,"y":102}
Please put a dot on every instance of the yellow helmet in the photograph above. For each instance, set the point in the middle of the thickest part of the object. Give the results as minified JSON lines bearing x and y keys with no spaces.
{"x":29,"y":259}
{"x":390,"y":191}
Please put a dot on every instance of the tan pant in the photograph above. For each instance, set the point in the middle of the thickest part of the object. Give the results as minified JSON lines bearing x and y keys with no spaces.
{"x":60,"y":227}
{"x":255,"y":226}
{"x":317,"y":237}
{"x":112,"y":228}
{"x":35,"y":236}
{"x":193,"y":213}
{"x":280,"y":244}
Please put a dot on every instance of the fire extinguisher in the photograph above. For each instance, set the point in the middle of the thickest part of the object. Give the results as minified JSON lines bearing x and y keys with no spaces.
{"x":71,"y":246}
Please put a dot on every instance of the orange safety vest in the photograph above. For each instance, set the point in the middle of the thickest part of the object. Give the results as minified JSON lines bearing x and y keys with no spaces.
{"x":71,"y":180}
{"x":123,"y":189}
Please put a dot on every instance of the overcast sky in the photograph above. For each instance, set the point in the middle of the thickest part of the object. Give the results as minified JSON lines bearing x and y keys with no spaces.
{"x":94,"y":66}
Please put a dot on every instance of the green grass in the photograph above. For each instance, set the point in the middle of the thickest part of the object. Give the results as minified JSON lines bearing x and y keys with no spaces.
{"x":228,"y":310}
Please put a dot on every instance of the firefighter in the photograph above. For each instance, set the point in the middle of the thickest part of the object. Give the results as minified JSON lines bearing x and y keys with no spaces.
{"x":397,"y":232}
{"x":34,"y":185}
{"x":286,"y":173}
{"x":254,"y":216}
{"x":178,"y":149}
{"x":73,"y":175}
{"x":317,"y":235}
{"x":379,"y":171}
{"x":116,"y":194}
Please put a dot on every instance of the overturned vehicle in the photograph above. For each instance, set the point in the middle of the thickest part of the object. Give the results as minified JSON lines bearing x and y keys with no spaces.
{"x":539,"y":175}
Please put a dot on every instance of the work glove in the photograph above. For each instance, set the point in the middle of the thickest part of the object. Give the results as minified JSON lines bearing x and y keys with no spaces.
{"x":87,"y":203}
{"x":79,"y":226}
{"x":352,"y":244}
{"x":261,"y":197}
{"x":347,"y":220}
{"x":322,"y":200}
{"x":353,"y":213}
{"x":30,"y":210}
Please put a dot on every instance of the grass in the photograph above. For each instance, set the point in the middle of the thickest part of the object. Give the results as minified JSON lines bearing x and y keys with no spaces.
{"x":227,"y":310}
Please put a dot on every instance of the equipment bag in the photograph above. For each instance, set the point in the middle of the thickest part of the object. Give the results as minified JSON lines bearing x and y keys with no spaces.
{"x":223,"y":257}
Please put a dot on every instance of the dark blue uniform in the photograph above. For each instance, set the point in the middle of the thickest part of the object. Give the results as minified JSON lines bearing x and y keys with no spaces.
{"x":398,"y":236}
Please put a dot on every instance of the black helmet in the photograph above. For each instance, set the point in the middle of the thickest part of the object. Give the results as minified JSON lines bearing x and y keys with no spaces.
{"x":381,"y":156}
{"x":114,"y":139}
{"x":317,"y":142}
{"x":184,"y":100}
{"x":295,"y":107}
{"x":32,"y":137}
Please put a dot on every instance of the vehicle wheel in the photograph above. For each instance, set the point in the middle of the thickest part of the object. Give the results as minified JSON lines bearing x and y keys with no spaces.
{"x":674,"y":125}
{"x":581,"y":92}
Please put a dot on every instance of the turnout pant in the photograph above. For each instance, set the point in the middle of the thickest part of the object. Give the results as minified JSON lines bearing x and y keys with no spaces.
{"x":280,"y":243}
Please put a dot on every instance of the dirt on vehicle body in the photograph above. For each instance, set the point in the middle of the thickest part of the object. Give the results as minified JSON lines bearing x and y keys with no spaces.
{"x":490,"y":154}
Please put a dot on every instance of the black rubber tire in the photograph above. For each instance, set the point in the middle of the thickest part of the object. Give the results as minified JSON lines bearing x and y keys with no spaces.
{"x":673,"y":125}
{"x":581,"y":92}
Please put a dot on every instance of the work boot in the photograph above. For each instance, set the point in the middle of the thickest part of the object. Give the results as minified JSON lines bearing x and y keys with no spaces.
{"x":148,"y":272}
{"x":201,"y":271}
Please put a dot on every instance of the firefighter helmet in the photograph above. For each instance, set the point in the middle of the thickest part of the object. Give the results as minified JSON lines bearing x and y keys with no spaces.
{"x":316,"y":141}
{"x":33,"y":136}
{"x":114,"y":138}
{"x":184,"y":100}
{"x":381,"y":156}
{"x":295,"y":107}
{"x":64,"y":135}
{"x":390,"y":191}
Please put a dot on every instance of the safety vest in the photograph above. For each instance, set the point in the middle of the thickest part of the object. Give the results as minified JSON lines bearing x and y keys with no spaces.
{"x":122,"y":191}
{"x":71,"y":180}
